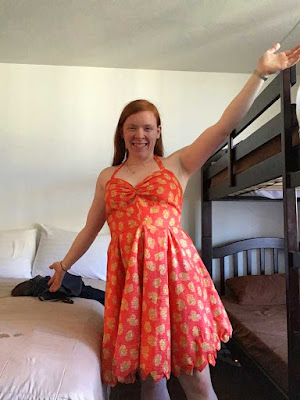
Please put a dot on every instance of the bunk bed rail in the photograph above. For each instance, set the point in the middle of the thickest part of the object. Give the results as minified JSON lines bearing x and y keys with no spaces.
{"x":271,"y":168}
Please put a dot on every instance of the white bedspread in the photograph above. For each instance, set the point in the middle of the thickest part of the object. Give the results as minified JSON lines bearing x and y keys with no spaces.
{"x":49,"y":350}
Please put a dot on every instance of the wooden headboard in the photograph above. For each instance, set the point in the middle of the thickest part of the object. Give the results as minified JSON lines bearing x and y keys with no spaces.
{"x":232,"y":249}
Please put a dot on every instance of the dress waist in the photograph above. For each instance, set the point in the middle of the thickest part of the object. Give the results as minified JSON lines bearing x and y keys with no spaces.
{"x":118,"y":227}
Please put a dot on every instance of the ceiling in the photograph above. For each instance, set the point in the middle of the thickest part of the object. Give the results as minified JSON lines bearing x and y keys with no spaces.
{"x":184,"y":35}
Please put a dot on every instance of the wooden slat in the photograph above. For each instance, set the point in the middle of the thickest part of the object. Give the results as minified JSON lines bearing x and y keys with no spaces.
{"x":249,"y":262}
{"x":275,"y":260}
{"x":235,"y":265}
{"x":262,"y":261}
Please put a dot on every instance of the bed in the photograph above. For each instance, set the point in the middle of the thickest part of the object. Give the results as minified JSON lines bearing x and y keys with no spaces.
{"x":270,"y":155}
{"x":256,"y":304}
{"x":48,"y":350}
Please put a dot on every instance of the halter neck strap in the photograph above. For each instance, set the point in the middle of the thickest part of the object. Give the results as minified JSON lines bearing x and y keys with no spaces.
{"x":160,"y":164}
{"x":117,"y":169}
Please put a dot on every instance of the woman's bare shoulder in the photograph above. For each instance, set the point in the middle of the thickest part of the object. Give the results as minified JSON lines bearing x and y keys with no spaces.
{"x":173,"y":162}
{"x":105,"y":175}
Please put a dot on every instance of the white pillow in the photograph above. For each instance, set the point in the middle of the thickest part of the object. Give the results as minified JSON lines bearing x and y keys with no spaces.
{"x":54,"y":245}
{"x":17,"y":250}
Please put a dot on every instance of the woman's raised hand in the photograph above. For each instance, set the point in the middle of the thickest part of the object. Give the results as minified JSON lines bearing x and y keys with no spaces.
{"x":271,"y":62}
{"x":56,"y":280}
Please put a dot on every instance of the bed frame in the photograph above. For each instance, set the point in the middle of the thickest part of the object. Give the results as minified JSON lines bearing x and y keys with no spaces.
{"x":262,"y":245}
{"x":285,"y":164}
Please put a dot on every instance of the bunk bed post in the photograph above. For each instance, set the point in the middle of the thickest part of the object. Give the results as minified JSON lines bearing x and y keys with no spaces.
{"x":206,"y":227}
{"x":231,"y":176}
{"x":291,"y":239}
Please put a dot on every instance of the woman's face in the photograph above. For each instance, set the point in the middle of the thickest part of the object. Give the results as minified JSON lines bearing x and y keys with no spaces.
{"x":140,"y":132}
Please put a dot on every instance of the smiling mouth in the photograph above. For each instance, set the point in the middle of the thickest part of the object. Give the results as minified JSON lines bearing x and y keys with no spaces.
{"x":139,"y":144}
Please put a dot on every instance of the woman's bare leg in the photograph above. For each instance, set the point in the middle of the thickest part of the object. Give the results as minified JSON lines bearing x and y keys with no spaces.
{"x":151,"y":390}
{"x":198,"y":386}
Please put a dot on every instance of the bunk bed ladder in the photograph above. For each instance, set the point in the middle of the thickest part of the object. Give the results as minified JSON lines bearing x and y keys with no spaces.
{"x":291,"y":236}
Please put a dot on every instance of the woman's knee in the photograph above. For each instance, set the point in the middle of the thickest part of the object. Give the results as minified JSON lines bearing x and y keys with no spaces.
{"x":198,"y":384}
{"x":150,"y":389}
{"x":150,"y":382}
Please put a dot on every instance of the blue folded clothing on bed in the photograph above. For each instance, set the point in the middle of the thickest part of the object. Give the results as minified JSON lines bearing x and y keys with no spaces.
{"x":72,"y":286}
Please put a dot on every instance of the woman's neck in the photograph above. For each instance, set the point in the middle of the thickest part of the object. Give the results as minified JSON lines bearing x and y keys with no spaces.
{"x":131,"y":160}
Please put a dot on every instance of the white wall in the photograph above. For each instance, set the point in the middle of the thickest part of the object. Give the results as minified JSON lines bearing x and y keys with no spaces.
{"x":56,"y":135}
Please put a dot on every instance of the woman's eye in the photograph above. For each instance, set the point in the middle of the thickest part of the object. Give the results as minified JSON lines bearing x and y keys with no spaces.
{"x":148,"y":129}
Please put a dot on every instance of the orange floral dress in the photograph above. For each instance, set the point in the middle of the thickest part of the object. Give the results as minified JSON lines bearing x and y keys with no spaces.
{"x":162,"y":311}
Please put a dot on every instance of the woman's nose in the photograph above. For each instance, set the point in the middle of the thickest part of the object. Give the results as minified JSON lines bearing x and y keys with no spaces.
{"x":140,"y":132}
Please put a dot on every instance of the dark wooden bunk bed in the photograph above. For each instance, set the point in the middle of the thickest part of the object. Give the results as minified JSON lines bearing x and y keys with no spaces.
{"x":270,"y":152}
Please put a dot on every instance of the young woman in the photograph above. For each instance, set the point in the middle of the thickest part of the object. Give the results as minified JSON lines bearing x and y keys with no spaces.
{"x":162,"y":312}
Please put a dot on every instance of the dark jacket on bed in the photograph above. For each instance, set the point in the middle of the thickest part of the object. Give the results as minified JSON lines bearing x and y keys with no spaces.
{"x":72,"y":286}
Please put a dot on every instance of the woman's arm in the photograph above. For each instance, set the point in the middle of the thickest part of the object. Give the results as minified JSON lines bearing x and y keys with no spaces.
{"x":84,"y":239}
{"x":194,"y":156}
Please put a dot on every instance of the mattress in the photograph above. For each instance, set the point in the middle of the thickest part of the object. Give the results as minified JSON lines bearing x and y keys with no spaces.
{"x":270,"y":190}
{"x":262,"y":332}
{"x":269,"y":194}
{"x":50,"y":350}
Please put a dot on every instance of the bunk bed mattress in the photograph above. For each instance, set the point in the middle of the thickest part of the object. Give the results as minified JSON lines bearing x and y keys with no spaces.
{"x":50,"y":350}
{"x":269,"y":194}
{"x":262,"y":332}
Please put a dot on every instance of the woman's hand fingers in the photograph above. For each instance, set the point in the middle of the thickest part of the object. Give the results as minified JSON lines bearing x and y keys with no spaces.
{"x":270,"y":62}
{"x":293,"y":50}
{"x":293,"y":56}
{"x":56,"y":280}
{"x":274,"y":48}
{"x":56,"y":283}
{"x":55,"y":286}
{"x":51,"y":280}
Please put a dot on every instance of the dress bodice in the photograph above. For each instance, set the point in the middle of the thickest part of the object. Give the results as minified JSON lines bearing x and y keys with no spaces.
{"x":155,"y":202}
